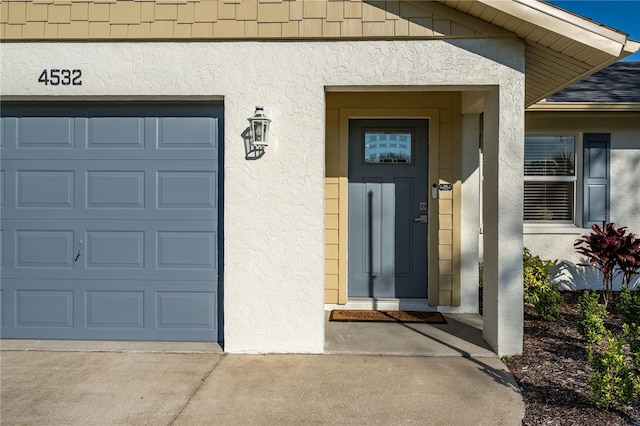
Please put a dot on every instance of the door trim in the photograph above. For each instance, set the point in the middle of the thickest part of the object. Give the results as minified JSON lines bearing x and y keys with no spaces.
{"x":433,"y":116}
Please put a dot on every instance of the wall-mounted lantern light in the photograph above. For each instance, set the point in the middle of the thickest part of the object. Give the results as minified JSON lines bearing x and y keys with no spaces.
{"x":259,"y":128}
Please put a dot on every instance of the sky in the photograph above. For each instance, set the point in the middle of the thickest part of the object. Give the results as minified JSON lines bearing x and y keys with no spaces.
{"x":623,"y":15}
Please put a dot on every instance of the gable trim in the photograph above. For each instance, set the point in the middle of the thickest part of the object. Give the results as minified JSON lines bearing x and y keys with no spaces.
{"x":563,"y":23}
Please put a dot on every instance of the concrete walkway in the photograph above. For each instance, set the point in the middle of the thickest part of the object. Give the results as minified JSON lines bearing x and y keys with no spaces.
{"x":137,"y":387}
{"x":460,"y":336}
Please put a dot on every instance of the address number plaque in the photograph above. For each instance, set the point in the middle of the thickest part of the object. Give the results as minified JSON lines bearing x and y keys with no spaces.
{"x":60,"y":77}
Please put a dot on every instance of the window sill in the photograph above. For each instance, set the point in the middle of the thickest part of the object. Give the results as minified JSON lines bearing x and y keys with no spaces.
{"x":551,"y":228}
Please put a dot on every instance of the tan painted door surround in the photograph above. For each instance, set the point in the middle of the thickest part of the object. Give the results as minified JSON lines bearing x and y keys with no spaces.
{"x":442,"y":110}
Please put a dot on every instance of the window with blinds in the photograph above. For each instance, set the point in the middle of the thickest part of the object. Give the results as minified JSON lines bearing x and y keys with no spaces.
{"x":549,"y":179}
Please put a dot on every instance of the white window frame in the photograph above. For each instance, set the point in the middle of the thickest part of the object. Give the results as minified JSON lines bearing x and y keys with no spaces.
{"x":577,"y":159}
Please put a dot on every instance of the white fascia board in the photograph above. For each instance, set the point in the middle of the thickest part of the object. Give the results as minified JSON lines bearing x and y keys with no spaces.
{"x":564,"y":23}
{"x":631,"y":47}
{"x":585,"y":106}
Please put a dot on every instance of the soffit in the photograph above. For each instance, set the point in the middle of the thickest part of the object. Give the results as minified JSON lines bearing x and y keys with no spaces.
{"x":560,"y":47}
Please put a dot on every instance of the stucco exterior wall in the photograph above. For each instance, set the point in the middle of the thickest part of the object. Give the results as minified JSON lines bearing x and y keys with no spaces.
{"x":274,"y":206}
{"x":556,"y":242}
{"x":470,"y":212}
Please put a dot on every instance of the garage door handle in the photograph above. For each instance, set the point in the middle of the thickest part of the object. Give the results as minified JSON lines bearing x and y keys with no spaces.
{"x":77,"y":256}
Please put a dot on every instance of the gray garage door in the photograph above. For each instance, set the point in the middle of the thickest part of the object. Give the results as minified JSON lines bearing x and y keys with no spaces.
{"x":111,"y":221}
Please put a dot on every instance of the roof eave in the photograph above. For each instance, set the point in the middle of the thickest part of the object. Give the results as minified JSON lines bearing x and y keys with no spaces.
{"x":587,"y":48}
{"x":629,"y":49}
{"x":564,"y":23}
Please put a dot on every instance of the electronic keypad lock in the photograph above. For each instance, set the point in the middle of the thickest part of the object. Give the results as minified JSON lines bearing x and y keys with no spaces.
{"x":421,"y":219}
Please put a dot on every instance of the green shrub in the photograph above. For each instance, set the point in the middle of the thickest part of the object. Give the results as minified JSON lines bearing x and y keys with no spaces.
{"x":536,"y":276}
{"x":631,"y":333}
{"x":591,"y":315}
{"x":629,"y":306}
{"x":548,"y":307}
{"x":539,"y":293}
{"x":613,"y":381}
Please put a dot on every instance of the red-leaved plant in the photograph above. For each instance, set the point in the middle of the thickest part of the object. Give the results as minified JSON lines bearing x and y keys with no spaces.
{"x":613,"y":251}
{"x":630,"y":264}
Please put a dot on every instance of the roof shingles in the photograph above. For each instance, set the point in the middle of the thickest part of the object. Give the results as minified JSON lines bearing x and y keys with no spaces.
{"x":618,"y":83}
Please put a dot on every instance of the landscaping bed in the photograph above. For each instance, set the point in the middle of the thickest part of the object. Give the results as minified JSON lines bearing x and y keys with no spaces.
{"x":552,"y":372}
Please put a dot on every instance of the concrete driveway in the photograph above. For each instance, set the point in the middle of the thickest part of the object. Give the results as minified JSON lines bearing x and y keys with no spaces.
{"x":131,"y":387}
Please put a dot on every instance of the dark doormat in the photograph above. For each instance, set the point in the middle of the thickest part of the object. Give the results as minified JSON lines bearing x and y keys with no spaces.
{"x":346,"y":315}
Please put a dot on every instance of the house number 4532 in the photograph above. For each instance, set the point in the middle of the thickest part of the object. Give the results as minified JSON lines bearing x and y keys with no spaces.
{"x":56,"y":77}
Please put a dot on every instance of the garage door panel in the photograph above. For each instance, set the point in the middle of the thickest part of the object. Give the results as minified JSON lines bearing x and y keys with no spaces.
{"x":8,"y":134}
{"x":45,"y":189}
{"x":132,"y":310}
{"x":45,"y":132}
{"x":115,"y":309}
{"x":187,"y":190}
{"x":187,"y":132}
{"x":44,"y":308}
{"x":178,"y":310}
{"x":44,"y":249}
{"x":142,"y":190}
{"x":110,"y":221}
{"x":115,"y":249}
{"x":115,"y":132}
{"x":116,"y":137}
{"x":2,"y":191}
{"x":123,"y":249}
{"x":83,"y":285}
{"x":117,"y":154}
{"x":32,"y":248}
{"x":38,"y":187}
{"x":115,"y":189}
{"x":186,"y":250}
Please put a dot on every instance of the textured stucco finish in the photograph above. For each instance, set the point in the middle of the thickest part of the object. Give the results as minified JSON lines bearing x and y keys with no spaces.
{"x":470,"y":211}
{"x":274,"y":248}
{"x":557,"y":242}
{"x":502,"y":194}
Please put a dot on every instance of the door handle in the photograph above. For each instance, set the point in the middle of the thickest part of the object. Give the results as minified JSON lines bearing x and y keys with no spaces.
{"x":79,"y":244}
{"x":421,"y":219}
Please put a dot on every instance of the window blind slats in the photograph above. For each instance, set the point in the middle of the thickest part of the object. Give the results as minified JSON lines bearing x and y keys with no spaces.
{"x":548,"y":201}
{"x":549,"y":156}
{"x":549,"y":164}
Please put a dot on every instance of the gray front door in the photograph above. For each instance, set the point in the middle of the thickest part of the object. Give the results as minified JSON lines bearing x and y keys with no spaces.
{"x":111,"y":221}
{"x":388,"y":196}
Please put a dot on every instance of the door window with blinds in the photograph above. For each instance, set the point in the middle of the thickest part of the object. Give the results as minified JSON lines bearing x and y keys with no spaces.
{"x":549,"y":179}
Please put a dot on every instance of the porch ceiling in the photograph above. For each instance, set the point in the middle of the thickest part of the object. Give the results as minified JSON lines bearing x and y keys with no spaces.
{"x":561,"y":47}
